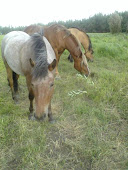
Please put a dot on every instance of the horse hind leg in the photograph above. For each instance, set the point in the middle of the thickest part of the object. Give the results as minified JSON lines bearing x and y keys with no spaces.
{"x":11,"y":80}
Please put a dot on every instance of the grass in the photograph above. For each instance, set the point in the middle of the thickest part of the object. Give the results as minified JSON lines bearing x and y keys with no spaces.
{"x":91,"y":128}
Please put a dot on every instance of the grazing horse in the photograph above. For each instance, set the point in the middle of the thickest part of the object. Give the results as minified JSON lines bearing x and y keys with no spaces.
{"x":34,"y":58}
{"x":60,"y":39}
{"x":85,"y":41}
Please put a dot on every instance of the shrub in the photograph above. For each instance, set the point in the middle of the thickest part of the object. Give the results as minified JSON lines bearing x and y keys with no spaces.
{"x":115,"y":23}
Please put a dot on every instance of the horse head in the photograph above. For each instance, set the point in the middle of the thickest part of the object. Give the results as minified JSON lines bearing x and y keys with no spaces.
{"x":42,"y":65}
{"x":43,"y":89}
{"x":80,"y":64}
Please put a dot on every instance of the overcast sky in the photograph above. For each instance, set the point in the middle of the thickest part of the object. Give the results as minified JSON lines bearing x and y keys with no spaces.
{"x":26,"y":12}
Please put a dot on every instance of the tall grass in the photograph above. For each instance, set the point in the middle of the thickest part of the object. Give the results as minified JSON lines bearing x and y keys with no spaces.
{"x":91,"y":128}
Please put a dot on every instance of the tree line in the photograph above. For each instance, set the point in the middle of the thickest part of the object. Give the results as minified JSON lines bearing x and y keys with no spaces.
{"x":99,"y":23}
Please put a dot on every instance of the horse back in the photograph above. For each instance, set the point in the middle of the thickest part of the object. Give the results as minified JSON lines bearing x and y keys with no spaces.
{"x":12,"y":44}
{"x":81,"y":36}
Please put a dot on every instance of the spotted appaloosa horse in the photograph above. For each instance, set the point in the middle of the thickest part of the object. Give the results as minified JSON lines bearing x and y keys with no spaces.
{"x":34,"y":58}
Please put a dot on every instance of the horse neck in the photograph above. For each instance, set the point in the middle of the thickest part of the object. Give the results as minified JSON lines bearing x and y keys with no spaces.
{"x":55,"y":39}
{"x":72,"y":46}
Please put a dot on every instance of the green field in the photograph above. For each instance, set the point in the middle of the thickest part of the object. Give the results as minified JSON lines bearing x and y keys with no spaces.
{"x":91,"y":130}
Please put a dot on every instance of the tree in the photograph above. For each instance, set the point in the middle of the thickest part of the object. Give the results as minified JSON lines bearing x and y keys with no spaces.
{"x":124,"y":22}
{"x":115,"y":23}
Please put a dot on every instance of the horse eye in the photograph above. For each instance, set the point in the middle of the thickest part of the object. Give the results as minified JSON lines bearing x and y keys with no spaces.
{"x":52,"y":84}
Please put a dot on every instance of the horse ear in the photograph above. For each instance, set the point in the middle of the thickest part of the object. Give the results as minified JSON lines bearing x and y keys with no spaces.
{"x":32,"y":62}
{"x":52,"y":65}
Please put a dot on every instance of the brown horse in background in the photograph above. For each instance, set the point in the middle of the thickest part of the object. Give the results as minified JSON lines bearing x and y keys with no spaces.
{"x":85,"y":41}
{"x":60,"y":39}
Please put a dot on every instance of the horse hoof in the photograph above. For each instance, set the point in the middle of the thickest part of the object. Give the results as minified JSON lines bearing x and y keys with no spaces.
{"x":16,"y":102}
{"x":57,"y":77}
{"x":52,"y":121}
{"x":31,"y":117}
{"x":16,"y":99}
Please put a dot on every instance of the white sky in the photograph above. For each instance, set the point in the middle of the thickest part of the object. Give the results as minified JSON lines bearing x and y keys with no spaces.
{"x":26,"y":12}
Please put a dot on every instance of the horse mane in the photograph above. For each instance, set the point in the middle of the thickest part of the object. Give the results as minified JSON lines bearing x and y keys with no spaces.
{"x":57,"y":28}
{"x":90,"y":43}
{"x":41,"y":64}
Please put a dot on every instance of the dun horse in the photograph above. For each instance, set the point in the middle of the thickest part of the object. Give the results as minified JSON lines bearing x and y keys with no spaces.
{"x":34,"y":58}
{"x":60,"y":39}
{"x":85,"y":41}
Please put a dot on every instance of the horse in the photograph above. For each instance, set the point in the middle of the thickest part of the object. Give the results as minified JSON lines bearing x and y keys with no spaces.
{"x":34,"y":58}
{"x":60,"y":39}
{"x":85,"y":41}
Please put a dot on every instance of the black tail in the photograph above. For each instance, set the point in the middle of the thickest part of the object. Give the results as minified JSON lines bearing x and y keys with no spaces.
{"x":15,"y":82}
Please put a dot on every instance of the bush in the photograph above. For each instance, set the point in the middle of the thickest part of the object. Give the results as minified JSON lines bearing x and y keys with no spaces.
{"x":115,"y":23}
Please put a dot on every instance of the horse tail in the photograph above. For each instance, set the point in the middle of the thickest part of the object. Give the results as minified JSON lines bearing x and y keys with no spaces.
{"x":90,"y":43}
{"x":15,"y":81}
{"x":70,"y":58}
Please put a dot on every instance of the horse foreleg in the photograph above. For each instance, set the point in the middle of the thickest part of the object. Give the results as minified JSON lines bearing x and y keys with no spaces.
{"x":57,"y":60}
{"x":57,"y":73}
{"x":31,"y":98}
{"x":50,"y":113}
{"x":15,"y":85}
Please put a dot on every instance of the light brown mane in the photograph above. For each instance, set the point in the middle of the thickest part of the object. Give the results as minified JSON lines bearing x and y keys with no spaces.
{"x":57,"y":28}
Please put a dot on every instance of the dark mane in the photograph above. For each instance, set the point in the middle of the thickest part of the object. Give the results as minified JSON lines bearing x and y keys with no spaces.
{"x":41,"y":64}
{"x":90,"y":44}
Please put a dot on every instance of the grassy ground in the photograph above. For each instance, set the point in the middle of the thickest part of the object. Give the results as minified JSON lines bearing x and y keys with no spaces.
{"x":91,"y":128}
